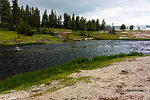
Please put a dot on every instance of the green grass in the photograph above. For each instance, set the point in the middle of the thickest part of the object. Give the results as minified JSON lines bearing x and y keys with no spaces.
{"x":8,"y":35}
{"x":25,"y":80}
{"x":10,"y":38}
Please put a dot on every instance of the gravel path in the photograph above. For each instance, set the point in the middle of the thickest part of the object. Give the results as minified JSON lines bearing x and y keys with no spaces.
{"x":127,"y":80}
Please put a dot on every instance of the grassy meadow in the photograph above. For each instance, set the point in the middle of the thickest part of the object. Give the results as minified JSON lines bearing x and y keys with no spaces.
{"x":11,"y":37}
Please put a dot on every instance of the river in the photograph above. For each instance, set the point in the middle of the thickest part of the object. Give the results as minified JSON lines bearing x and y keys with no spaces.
{"x":35,"y":57}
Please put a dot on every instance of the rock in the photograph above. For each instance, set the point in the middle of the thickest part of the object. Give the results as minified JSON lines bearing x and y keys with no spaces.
{"x":36,"y":90}
{"x":122,"y":93}
{"x":42,"y":85}
{"x":122,"y":71}
{"x":33,"y":87}
{"x":12,"y":91}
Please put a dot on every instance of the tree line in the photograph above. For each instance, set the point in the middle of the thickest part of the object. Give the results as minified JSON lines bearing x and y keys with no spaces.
{"x":14,"y":16}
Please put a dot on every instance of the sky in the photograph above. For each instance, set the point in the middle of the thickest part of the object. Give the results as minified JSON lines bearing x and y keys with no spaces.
{"x":128,"y":12}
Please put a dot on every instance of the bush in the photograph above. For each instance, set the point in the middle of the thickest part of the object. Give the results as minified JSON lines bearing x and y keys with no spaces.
{"x":23,"y":28}
{"x":82,"y":33}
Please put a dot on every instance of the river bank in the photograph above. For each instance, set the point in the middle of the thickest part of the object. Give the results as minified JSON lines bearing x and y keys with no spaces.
{"x":126,"y":79}
{"x":60,"y":73}
{"x":65,"y":35}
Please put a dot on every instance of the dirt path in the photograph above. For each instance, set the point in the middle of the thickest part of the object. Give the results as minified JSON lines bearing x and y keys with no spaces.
{"x":125,"y":80}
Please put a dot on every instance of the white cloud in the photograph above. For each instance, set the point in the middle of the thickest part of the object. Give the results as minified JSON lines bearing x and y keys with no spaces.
{"x":136,"y":12}
{"x":120,"y":15}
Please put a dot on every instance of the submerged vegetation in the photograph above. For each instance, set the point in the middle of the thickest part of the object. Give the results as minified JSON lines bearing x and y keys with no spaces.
{"x":29,"y":79}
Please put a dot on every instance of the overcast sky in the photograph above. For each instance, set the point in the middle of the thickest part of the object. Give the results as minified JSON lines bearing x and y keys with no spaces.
{"x":136,"y":12}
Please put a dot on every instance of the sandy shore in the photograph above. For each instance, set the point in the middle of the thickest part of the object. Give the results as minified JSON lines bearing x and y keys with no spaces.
{"x":127,"y":80}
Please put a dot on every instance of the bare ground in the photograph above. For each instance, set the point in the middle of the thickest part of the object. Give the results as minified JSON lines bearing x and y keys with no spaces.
{"x":127,"y":80}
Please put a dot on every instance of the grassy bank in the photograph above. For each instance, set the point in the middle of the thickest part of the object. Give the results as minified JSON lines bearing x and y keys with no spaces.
{"x":24,"y":80}
{"x":11,"y":37}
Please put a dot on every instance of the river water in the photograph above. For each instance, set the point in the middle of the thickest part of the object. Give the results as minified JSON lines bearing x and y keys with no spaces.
{"x":35,"y":57}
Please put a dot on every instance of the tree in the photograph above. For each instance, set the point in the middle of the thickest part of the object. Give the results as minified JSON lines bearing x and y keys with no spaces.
{"x":51,"y":19}
{"x":45,"y":19}
{"x":15,"y":12}
{"x":97,"y":25}
{"x":23,"y":28}
{"x":27,"y":16}
{"x":59,"y":21}
{"x":82,"y":24}
{"x":123,"y":27}
{"x":55,"y":21}
{"x":36,"y":19}
{"x":103,"y":25}
{"x":73,"y":23}
{"x":113,"y":30}
{"x":131,"y":27}
{"x":67,"y":21}
{"x":22,"y":13}
{"x":77,"y":22}
{"x":5,"y":13}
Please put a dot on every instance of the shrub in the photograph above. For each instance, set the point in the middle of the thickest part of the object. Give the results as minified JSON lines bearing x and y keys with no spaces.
{"x":82,"y":33}
{"x":23,"y":28}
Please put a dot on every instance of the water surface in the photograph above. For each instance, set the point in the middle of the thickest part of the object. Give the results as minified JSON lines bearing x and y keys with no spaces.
{"x":35,"y":57}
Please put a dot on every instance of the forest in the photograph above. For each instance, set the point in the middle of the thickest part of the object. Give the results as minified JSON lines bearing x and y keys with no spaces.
{"x":24,"y":19}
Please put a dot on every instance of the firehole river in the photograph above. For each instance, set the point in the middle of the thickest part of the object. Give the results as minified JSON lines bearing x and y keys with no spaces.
{"x":35,"y":57}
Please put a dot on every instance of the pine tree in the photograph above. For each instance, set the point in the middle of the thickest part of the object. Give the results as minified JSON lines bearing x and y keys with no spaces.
{"x":97,"y":25}
{"x":52,"y":18}
{"x":45,"y":19}
{"x":94,"y":27}
{"x":36,"y":19}
{"x":131,"y":27}
{"x":82,"y":24}
{"x":77,"y":22}
{"x":59,"y":21}
{"x":123,"y":27}
{"x":103,"y":25}
{"x":67,"y":21}
{"x":73,"y":23}
{"x":22,"y":13}
{"x":55,"y":21}
{"x":5,"y":13}
{"x":15,"y":12}
{"x":23,"y":28}
{"x":27,"y":15}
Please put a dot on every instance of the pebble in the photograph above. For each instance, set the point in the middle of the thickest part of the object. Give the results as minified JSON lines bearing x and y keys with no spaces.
{"x":12,"y":91}
{"x":42,"y":85}
{"x":36,"y":90}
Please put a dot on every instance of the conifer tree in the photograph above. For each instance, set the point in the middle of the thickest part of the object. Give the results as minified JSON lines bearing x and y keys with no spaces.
{"x":77,"y":22}
{"x":27,"y":15}
{"x":97,"y":25}
{"x":131,"y":27}
{"x":123,"y":27}
{"x":73,"y":23}
{"x":82,"y":24}
{"x":45,"y":19}
{"x":103,"y":25}
{"x":15,"y":12}
{"x":5,"y":13}
{"x":36,"y":18}
{"x":67,"y":21}
{"x":59,"y":21}
{"x":23,"y":28}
